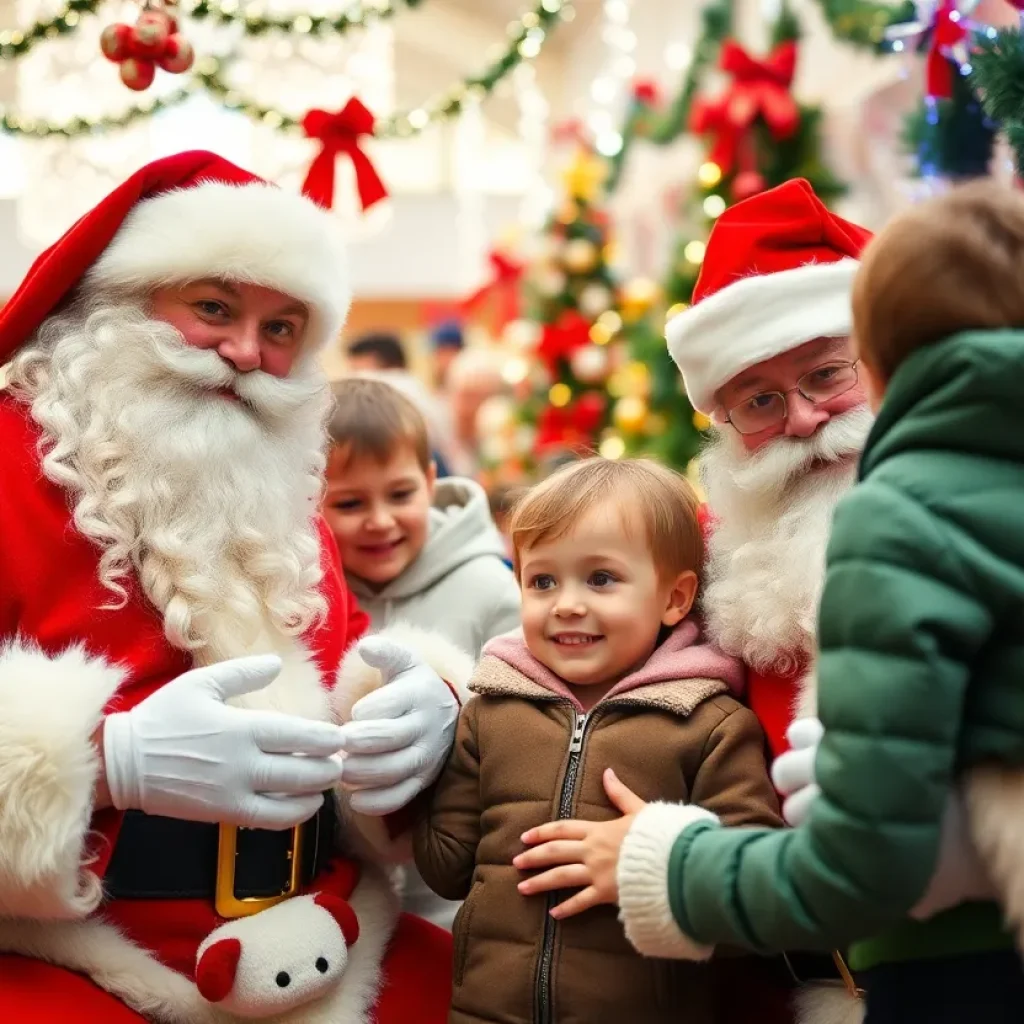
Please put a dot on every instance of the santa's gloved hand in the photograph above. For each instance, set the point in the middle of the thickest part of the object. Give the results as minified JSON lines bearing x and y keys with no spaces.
{"x":400,"y":735}
{"x":184,"y":753}
{"x":793,"y":771}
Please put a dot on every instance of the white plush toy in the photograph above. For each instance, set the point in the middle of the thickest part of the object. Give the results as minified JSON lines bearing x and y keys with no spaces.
{"x":278,"y":959}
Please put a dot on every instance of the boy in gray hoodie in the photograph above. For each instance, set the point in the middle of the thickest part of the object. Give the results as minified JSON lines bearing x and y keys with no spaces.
{"x":414,"y":549}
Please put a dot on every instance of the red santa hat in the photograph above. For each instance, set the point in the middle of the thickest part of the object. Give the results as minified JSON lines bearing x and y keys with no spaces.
{"x":777,"y":273}
{"x":182,"y":218}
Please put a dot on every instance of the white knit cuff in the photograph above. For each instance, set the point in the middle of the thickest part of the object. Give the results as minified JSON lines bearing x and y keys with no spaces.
{"x":643,"y":882}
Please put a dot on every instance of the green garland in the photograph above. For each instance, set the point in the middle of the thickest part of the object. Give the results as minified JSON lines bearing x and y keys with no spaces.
{"x":15,"y":43}
{"x":998,"y":72}
{"x":864,"y":22}
{"x":209,"y":76}
{"x":661,"y":129}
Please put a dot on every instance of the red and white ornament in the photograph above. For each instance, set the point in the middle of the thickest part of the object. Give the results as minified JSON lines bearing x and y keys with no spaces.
{"x":153,"y":41}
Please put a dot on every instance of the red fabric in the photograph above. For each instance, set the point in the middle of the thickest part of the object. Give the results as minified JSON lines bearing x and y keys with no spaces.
{"x":59,"y":269}
{"x":416,"y":985}
{"x":50,"y":592}
{"x":945,"y":34}
{"x":781,"y":229}
{"x":340,"y":133}
{"x":772,"y":697}
{"x":417,"y":975}
{"x":760,"y":88}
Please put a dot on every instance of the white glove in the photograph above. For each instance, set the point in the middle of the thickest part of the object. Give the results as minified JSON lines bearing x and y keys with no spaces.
{"x":793,"y":771}
{"x":184,"y":753}
{"x":400,"y":735}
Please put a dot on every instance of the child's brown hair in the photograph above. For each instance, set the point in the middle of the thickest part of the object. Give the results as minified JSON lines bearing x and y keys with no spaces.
{"x":662,"y":500}
{"x":371,"y":418}
{"x":954,"y":263}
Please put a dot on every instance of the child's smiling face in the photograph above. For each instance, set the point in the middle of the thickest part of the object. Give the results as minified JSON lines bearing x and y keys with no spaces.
{"x":594,"y":602}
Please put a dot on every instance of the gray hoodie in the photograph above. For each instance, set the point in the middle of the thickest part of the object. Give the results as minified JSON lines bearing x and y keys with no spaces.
{"x":458,"y":585}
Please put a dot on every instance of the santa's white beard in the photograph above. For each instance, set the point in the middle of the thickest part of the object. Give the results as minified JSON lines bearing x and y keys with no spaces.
{"x":209,"y":499}
{"x":766,"y":554}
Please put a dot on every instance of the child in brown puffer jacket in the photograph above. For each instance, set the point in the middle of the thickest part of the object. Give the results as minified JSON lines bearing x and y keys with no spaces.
{"x":610,"y":673}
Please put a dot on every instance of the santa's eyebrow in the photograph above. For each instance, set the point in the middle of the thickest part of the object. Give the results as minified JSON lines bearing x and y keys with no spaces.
{"x":216,"y":282}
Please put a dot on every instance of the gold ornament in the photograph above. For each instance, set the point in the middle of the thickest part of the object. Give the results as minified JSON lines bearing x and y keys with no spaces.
{"x":600,"y":334}
{"x":675,"y":309}
{"x":629,"y":414}
{"x":700,"y":421}
{"x":637,"y":298}
{"x":560,"y":395}
{"x":655,"y":425}
{"x":585,"y":176}
{"x":579,"y":256}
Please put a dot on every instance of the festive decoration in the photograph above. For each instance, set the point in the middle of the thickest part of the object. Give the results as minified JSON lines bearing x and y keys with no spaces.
{"x":340,"y":133}
{"x":999,"y":75}
{"x":526,"y":40}
{"x":864,"y":22}
{"x":760,"y":90}
{"x":152,"y":42}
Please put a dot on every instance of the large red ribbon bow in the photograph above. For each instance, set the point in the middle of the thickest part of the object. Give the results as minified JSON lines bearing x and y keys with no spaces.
{"x":759,"y":88}
{"x":340,"y":133}
{"x":946,"y":32}
{"x":559,"y":340}
{"x":571,"y":426}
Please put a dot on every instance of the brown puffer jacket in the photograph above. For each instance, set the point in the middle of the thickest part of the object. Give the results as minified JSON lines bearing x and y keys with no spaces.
{"x":525,"y":753}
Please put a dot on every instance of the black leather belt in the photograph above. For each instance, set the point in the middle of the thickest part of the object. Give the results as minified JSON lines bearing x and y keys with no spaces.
{"x":163,"y":858}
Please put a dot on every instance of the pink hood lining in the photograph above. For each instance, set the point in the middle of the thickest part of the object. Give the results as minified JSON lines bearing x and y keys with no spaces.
{"x":682,"y":656}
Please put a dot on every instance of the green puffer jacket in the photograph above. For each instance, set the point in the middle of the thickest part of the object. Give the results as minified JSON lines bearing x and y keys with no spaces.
{"x":920,"y":677}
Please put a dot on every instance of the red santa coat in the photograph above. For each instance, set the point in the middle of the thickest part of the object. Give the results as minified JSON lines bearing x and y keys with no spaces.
{"x":64,"y":662}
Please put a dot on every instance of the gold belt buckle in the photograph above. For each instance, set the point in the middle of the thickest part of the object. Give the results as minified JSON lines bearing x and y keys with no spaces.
{"x":227,"y":904}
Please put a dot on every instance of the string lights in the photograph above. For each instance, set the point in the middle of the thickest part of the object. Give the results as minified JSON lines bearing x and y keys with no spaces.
{"x":611,"y":84}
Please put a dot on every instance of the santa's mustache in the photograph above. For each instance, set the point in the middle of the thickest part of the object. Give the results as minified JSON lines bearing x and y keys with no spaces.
{"x":270,"y":398}
{"x":772,"y":468}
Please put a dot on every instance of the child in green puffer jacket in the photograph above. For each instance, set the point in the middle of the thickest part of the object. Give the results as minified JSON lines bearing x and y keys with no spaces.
{"x":921,"y":665}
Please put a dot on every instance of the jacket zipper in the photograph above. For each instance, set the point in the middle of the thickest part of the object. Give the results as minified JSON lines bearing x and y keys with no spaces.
{"x":542,"y":1010}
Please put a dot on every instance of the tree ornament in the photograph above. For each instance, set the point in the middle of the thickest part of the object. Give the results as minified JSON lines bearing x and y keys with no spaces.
{"x":137,"y":73}
{"x":153,"y":41}
{"x":589,"y":364}
{"x":629,"y":414}
{"x":585,"y":176}
{"x":637,"y":298}
{"x":747,"y":184}
{"x":594,"y":300}
{"x":550,"y":282}
{"x":579,"y":256}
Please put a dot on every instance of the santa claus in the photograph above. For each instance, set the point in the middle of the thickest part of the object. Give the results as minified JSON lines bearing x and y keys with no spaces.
{"x":174,"y":628}
{"x":765,"y":352}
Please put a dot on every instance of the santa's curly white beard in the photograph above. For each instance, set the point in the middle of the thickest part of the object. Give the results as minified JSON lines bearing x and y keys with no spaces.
{"x":209,"y":497}
{"x":766,"y":554}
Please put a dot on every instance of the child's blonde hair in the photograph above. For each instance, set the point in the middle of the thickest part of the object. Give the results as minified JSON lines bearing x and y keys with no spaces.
{"x":372,"y":418}
{"x":663,"y":501}
{"x":954,"y":263}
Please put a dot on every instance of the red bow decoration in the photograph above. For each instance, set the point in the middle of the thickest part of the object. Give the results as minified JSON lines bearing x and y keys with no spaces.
{"x":559,"y":340}
{"x":503,"y":286}
{"x":645,"y":90}
{"x":573,"y":425}
{"x":760,"y":88}
{"x":339,"y":133}
{"x":946,"y":32}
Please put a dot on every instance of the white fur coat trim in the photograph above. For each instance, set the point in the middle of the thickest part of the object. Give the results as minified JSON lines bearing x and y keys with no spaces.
{"x":643,"y":882}
{"x":364,"y":836}
{"x":50,"y":707}
{"x":98,"y":950}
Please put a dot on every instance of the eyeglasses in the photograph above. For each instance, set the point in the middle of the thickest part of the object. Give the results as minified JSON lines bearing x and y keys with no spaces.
{"x":768,"y":408}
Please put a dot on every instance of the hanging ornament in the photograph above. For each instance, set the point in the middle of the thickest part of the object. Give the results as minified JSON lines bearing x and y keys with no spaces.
{"x":747,"y":184}
{"x":590,"y":364}
{"x":579,"y":256}
{"x":152,"y":42}
{"x":637,"y":297}
{"x":594,"y":300}
{"x":585,"y":176}
{"x":629,"y":414}
{"x":549,"y":281}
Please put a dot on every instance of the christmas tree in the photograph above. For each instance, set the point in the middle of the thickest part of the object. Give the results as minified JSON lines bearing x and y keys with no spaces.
{"x":758,"y":137}
{"x":569,"y":345}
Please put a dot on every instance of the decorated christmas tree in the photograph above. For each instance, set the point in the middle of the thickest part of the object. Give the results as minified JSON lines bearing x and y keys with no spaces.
{"x":758,"y":136}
